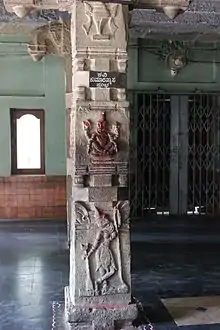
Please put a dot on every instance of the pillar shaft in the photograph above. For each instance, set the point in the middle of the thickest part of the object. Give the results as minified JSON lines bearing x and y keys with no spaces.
{"x":99,"y":292}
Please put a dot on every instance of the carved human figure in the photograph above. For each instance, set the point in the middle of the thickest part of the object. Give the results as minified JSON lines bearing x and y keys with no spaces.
{"x":103,"y":141}
{"x":105,"y":264}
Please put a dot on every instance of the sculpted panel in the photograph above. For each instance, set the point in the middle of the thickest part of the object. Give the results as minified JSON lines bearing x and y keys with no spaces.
{"x":102,"y":252}
{"x":101,"y":23}
{"x":103,"y":142}
{"x":101,"y":138}
{"x":53,"y":38}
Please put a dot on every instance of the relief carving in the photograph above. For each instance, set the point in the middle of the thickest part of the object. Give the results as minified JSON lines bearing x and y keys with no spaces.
{"x":80,"y":93}
{"x":53,"y":38}
{"x":108,"y":262}
{"x":101,"y":20}
{"x":103,"y":142}
{"x":83,"y":219}
{"x":82,"y":215}
{"x":123,"y":180}
{"x":175,"y":54}
{"x":79,"y":180}
{"x":105,"y":264}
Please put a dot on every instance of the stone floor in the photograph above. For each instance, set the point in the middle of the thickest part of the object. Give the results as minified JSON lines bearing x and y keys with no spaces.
{"x":34,"y":271}
{"x":194,"y":311}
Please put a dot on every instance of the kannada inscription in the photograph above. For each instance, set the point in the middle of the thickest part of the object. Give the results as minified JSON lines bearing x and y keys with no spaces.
{"x":101,"y":79}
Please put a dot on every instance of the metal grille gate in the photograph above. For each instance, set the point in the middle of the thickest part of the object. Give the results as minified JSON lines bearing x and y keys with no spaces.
{"x":175,"y":154}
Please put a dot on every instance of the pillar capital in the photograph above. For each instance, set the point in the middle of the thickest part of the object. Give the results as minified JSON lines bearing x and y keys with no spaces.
{"x":101,"y":28}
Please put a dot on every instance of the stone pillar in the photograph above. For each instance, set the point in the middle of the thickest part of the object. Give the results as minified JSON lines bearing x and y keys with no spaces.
{"x":99,"y":291}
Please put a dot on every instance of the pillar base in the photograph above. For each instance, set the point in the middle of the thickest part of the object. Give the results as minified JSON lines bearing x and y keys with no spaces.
{"x":99,"y":317}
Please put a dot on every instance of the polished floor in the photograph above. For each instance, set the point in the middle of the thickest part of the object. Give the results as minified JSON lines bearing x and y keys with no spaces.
{"x":194,"y":310}
{"x":34,"y":271}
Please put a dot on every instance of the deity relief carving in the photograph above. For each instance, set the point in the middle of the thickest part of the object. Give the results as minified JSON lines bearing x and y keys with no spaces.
{"x":108,"y":262}
{"x":103,"y":142}
{"x":101,"y":20}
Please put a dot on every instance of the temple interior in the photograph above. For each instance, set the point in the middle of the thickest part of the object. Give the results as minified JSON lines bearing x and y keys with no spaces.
{"x":110,"y":165}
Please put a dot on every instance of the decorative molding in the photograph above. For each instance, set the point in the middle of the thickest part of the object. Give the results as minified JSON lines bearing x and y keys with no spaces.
{"x":118,"y":94}
{"x":80,"y":93}
{"x":79,"y":180}
{"x":101,"y":25}
{"x":123,"y":180}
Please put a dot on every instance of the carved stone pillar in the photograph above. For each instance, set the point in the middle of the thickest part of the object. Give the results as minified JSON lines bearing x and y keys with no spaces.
{"x":99,"y":291}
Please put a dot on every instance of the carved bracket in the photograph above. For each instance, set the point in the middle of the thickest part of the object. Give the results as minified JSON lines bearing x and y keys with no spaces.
{"x":23,"y":8}
{"x":171,"y":8}
{"x":53,"y":38}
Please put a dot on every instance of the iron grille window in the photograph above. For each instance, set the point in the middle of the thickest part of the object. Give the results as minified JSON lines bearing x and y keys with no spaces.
{"x":150,"y":154}
{"x":27,"y":142}
{"x":203,"y":154}
{"x":175,"y":154}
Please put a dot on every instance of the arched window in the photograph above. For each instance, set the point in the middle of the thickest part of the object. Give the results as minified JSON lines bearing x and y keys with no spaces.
{"x":27,"y":133}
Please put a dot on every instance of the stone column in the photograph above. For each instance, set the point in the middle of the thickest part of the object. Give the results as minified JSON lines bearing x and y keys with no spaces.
{"x":99,"y":291}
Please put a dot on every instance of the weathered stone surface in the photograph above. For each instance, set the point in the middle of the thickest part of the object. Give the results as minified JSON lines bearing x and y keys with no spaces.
{"x":99,"y":317}
{"x":101,"y":25}
{"x":53,"y":38}
{"x":100,"y":253}
{"x":103,"y":180}
{"x":61,"y":322}
{"x":99,"y":291}
{"x":103,"y":194}
{"x":87,"y":137}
